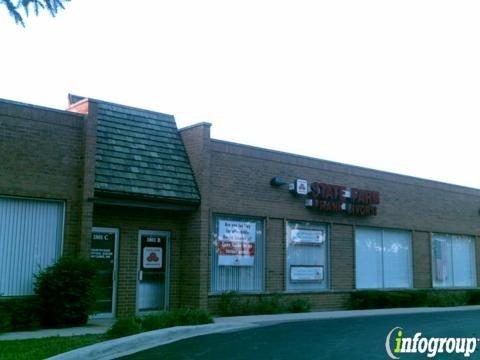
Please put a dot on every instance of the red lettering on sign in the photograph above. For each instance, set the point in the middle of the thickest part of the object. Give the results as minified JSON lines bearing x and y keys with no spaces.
{"x":331,"y":198}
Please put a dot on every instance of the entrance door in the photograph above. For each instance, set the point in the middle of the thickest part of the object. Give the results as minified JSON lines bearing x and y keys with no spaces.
{"x":153,"y":265}
{"x":104,"y":252}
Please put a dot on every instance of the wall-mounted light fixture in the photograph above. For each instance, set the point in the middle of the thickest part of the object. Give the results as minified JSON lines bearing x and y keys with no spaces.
{"x":298,"y":186}
{"x":278,"y":181}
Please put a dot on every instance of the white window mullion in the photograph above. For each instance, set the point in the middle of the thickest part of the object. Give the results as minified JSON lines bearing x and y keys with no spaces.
{"x":452,"y":266}
{"x":383,"y":259}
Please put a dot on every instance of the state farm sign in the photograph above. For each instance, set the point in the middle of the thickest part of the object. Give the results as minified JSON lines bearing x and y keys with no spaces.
{"x":337,"y":198}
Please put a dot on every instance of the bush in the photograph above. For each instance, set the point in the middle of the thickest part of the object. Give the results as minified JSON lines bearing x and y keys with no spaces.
{"x":269,"y":305}
{"x":124,"y":327}
{"x":442,"y":299}
{"x":191,"y":317}
{"x":178,"y":317}
{"x":18,"y":314}
{"x":375,"y":299}
{"x":65,"y":292}
{"x":299,"y":306}
{"x":474,"y":297}
{"x":233,"y":304}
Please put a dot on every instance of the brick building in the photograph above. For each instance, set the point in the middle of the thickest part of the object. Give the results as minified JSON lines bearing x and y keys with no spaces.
{"x":173,"y":218}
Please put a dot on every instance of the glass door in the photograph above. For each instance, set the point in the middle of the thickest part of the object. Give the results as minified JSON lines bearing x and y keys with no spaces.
{"x":104,"y":252}
{"x":152,"y":284}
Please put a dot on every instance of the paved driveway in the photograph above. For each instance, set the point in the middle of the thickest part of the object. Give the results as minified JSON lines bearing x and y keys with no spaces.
{"x":350,"y":338}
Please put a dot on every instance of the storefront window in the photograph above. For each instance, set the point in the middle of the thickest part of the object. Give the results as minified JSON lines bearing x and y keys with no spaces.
{"x":383,"y":258}
{"x":453,"y":261}
{"x":306,"y":257}
{"x":237,"y":254}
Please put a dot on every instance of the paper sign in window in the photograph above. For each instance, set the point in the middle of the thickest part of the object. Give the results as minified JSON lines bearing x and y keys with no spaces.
{"x":236,"y":243}
{"x":152,"y":257}
{"x":306,"y":273}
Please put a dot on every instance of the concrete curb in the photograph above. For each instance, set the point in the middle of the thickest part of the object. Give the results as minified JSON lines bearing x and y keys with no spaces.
{"x":132,"y":344}
{"x":113,"y":349}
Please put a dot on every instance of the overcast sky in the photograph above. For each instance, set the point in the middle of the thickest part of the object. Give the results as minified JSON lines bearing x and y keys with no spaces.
{"x":391,"y":85}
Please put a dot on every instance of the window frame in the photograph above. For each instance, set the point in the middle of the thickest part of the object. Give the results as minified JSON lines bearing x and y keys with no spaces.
{"x":410,"y":258}
{"x":326,"y":267}
{"x":433,"y":265}
{"x":215,"y":216}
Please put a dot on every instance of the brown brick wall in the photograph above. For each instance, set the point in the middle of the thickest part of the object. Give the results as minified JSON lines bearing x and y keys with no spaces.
{"x":342,"y":257}
{"x":196,"y":246}
{"x":51,"y":154}
{"x":239,"y":179}
{"x":41,"y":157}
{"x":422,"y":260}
{"x":275,"y":255}
{"x":88,"y":171}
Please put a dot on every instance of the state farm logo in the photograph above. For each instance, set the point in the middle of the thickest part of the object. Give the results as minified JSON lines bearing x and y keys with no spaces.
{"x":152,"y":257}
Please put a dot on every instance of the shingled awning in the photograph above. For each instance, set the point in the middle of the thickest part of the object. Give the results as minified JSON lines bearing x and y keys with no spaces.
{"x":140,"y":154}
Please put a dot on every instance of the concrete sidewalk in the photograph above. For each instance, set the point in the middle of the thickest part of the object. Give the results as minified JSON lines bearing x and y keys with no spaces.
{"x":93,"y":327}
{"x":131,"y":344}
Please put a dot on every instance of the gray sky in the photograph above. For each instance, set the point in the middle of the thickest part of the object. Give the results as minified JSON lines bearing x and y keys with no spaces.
{"x":391,"y":85}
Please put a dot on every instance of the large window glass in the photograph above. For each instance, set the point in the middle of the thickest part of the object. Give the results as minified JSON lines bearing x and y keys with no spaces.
{"x":31,"y":238}
{"x":237,"y":254}
{"x":453,"y":261}
{"x":306,"y":256}
{"x":383,"y":258}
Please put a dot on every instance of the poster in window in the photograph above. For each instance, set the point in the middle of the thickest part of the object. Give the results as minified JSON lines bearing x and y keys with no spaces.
{"x":312,"y":237}
{"x":236,"y":243}
{"x":152,"y":257}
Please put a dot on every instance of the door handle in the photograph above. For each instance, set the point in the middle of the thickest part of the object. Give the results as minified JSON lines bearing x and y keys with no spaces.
{"x":140,"y":275}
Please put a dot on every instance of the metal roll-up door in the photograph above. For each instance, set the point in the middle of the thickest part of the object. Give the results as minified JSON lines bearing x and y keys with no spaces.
{"x":31,"y":237}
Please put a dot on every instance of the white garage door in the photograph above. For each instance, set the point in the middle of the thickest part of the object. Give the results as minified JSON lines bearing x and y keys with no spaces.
{"x":31,"y":234}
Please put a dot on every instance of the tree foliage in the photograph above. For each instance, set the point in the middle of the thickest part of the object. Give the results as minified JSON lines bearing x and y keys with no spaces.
{"x":18,"y":7}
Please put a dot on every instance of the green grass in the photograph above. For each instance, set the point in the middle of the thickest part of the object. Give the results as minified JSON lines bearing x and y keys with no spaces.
{"x":36,"y":349}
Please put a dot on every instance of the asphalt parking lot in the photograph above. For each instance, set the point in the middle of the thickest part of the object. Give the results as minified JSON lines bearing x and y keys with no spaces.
{"x":347,"y":338}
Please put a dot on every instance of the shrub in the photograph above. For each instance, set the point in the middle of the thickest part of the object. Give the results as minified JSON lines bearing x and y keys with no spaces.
{"x":447,"y":298}
{"x":299,"y":306}
{"x":18,"y":314}
{"x":231,"y":304}
{"x":158,"y":321}
{"x":269,"y":305}
{"x":474,"y":297}
{"x":124,"y":327}
{"x":374,"y":299}
{"x":191,"y":317}
{"x":65,"y":292}
{"x":419,"y":298}
{"x":178,"y":317}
